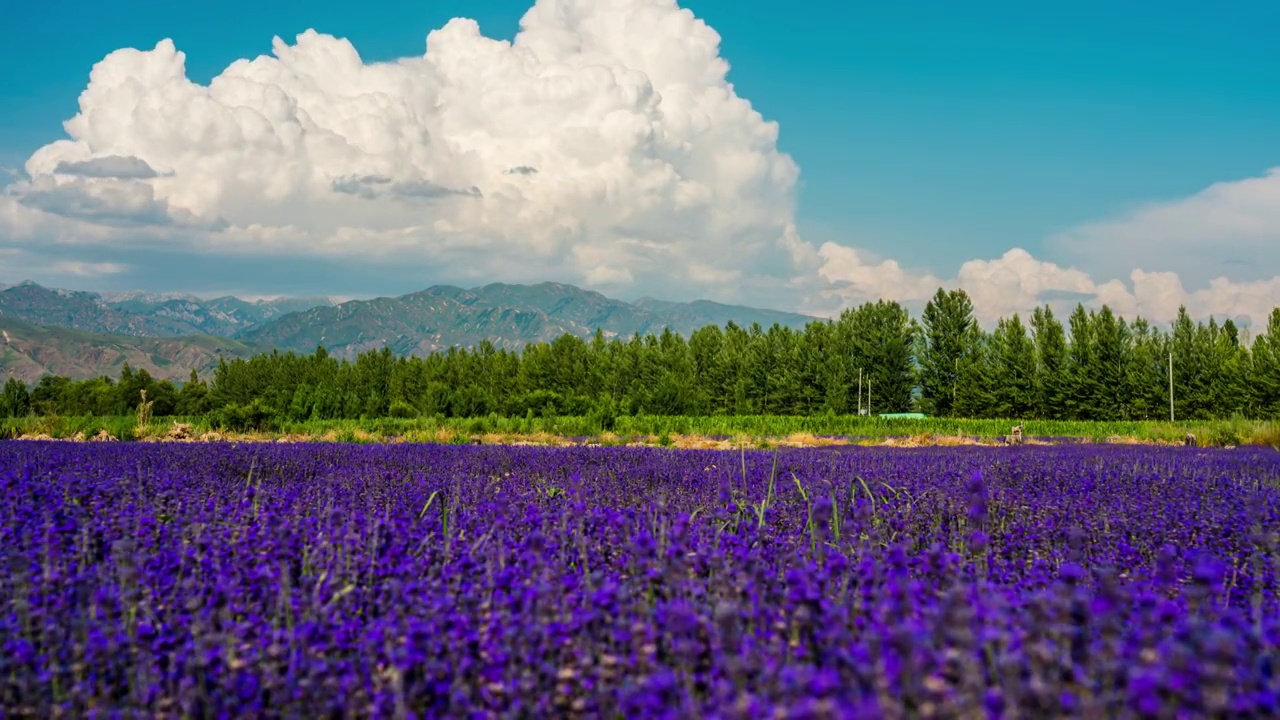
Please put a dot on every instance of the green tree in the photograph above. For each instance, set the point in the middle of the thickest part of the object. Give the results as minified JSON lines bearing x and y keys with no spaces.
{"x":1013,"y":372}
{"x":1191,"y":347}
{"x":1052,"y":383}
{"x":1082,"y":384}
{"x":706,"y":348}
{"x":16,"y":401}
{"x":948,"y":325}
{"x":300,"y":406}
{"x":1228,"y":373}
{"x":47,"y":395}
{"x":1108,"y":359}
{"x":193,"y":398}
{"x":976,"y":382}
{"x":880,"y":340}
{"x":1145,"y":374}
{"x":1264,"y":374}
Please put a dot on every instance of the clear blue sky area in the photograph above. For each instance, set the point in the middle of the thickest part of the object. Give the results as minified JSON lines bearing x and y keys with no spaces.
{"x":946,"y":130}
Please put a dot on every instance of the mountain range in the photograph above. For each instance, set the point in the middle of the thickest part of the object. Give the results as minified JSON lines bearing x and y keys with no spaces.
{"x":85,"y":334}
{"x":143,"y":314}
{"x":28,"y":352}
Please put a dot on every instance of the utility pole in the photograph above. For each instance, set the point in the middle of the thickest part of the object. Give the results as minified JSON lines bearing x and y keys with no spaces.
{"x":1170,"y":387}
{"x":859,"y":392}
{"x":954,"y":382}
{"x":868,"y":396}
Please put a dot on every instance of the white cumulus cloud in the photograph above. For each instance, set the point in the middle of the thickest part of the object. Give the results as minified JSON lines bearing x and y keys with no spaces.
{"x":1228,"y":229}
{"x":1017,"y":282}
{"x":603,"y":145}
{"x":76,"y":268}
{"x":17,"y":264}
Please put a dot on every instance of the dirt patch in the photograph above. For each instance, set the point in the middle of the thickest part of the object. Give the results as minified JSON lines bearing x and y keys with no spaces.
{"x":294,"y":438}
{"x":1118,"y":440}
{"x":696,"y":442}
{"x":101,"y":436}
{"x":702,"y":442}
{"x":810,"y":440}
{"x":931,"y":440}
{"x":182,"y":432}
{"x":540,"y":439}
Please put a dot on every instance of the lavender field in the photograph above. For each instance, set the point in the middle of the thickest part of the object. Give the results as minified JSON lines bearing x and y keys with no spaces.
{"x":425,"y":581}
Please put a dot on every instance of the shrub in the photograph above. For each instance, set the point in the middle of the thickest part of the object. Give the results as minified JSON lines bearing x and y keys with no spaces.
{"x":243,"y":418}
{"x":403,"y":410}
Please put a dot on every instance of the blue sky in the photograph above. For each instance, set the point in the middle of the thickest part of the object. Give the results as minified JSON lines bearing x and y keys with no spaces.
{"x":931,"y":133}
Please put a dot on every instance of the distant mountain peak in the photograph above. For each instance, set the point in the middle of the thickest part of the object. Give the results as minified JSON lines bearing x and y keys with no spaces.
{"x":140,"y":314}
{"x":143,"y":296}
{"x":32,"y":351}
{"x":508,"y":315}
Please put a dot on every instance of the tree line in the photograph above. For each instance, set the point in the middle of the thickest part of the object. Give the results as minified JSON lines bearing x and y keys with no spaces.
{"x":874,"y":358}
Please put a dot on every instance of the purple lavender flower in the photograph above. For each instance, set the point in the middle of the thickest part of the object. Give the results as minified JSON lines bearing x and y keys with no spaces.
{"x":428,"y":581}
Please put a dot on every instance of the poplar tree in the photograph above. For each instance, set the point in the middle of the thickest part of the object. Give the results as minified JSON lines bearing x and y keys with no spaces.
{"x":1014,"y":369}
{"x":1051,"y":365}
{"x":16,"y":401}
{"x":1081,"y":366}
{"x":1264,"y":375}
{"x":948,"y":325}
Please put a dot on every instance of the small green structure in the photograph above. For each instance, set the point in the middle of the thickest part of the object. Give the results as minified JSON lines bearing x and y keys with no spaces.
{"x":904,"y":416}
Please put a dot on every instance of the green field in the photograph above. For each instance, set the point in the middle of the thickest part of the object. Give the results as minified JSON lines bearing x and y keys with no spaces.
{"x":655,"y":427}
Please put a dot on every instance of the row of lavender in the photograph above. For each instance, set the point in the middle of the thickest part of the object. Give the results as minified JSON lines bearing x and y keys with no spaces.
{"x":313,"y":580}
